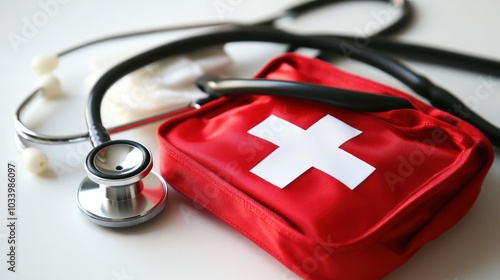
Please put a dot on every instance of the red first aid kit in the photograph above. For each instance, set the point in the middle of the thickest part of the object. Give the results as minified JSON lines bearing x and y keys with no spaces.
{"x":331,"y":193}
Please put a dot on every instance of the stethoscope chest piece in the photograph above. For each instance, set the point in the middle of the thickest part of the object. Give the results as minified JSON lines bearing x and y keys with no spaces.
{"x":120,"y":189}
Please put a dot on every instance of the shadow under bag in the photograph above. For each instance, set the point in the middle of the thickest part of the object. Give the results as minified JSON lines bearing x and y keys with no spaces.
{"x":331,"y":193}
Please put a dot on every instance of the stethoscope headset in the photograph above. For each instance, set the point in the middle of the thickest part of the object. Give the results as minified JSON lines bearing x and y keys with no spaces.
{"x":121,"y":190}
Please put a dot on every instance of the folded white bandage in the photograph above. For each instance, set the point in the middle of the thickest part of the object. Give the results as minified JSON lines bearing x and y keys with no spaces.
{"x":157,"y":87}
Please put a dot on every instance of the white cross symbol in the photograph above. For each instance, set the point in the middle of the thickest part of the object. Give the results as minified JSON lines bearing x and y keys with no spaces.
{"x":300,"y":149}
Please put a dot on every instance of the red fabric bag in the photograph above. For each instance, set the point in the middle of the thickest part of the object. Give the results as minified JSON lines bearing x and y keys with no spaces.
{"x":330,"y":193}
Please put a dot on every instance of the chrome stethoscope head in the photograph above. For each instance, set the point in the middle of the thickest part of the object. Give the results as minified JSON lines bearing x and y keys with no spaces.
{"x":120,"y":189}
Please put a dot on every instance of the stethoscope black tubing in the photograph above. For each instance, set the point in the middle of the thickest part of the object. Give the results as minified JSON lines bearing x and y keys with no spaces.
{"x":340,"y":98}
{"x":427,"y":54}
{"x":438,"y":96}
{"x":97,"y":131}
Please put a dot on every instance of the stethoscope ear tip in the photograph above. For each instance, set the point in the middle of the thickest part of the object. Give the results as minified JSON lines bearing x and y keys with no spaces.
{"x":43,"y":64}
{"x":34,"y":160}
{"x":50,"y":86}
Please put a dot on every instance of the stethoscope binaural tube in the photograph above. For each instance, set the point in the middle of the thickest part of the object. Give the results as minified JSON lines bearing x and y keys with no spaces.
{"x":123,"y":203}
{"x":44,"y":64}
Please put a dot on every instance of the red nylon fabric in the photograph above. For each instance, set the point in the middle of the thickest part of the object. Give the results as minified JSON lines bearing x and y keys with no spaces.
{"x":429,"y":171}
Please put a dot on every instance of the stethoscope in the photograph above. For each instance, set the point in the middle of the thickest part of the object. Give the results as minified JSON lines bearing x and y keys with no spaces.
{"x":121,"y":189}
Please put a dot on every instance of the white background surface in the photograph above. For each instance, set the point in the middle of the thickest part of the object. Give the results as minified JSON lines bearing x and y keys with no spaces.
{"x":56,"y":242}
